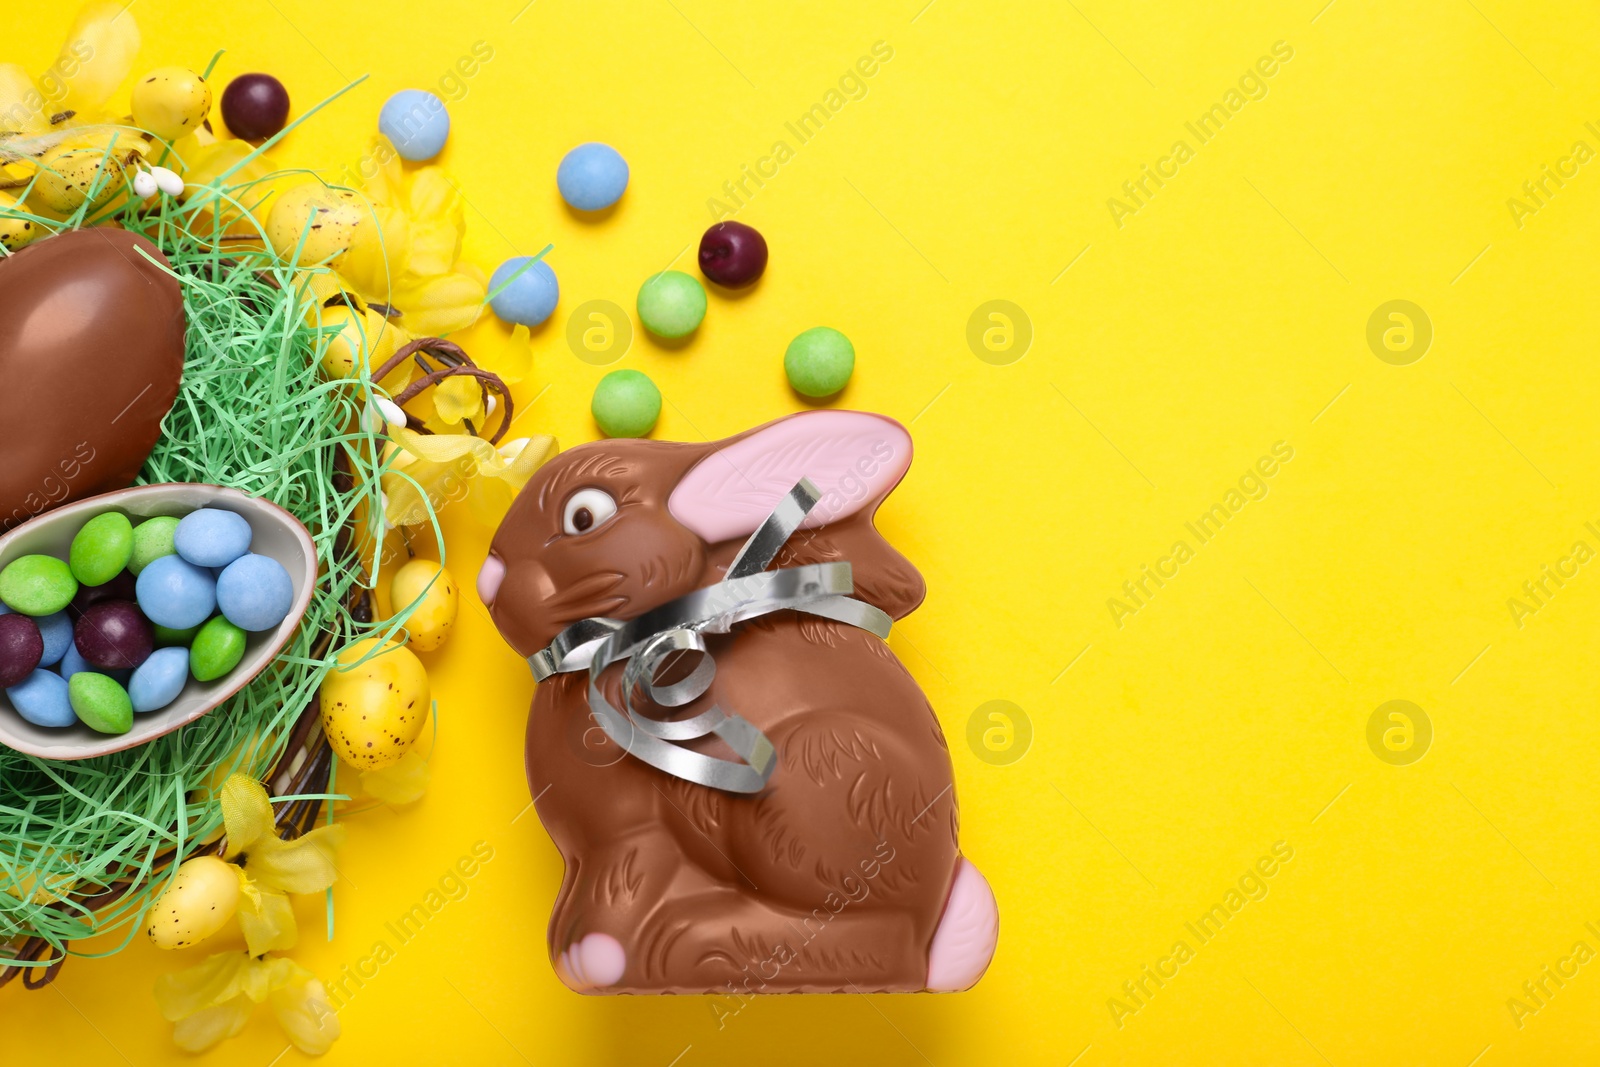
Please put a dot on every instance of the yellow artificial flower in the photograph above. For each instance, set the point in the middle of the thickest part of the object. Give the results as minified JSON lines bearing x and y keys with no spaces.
{"x":56,"y":130}
{"x":401,"y":782}
{"x":403,"y":251}
{"x":94,"y":61}
{"x":513,"y":366}
{"x":214,"y":1000}
{"x":270,"y":867}
{"x":202,"y":158}
{"x":449,"y":467}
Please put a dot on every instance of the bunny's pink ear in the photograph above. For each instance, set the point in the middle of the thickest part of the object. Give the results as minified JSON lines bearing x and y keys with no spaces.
{"x":854,"y":458}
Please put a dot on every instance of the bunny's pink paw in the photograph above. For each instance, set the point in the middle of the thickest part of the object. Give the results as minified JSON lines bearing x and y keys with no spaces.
{"x":591,"y":963}
{"x":964,"y":943}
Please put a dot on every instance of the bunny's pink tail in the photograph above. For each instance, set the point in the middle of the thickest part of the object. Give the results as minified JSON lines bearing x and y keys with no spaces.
{"x":965,"y":941}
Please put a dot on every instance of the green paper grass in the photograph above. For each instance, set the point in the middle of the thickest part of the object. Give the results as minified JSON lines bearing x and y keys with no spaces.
{"x":86,"y":846}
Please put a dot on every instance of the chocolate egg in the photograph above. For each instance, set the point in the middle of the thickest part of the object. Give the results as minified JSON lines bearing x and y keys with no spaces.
{"x":91,"y":354}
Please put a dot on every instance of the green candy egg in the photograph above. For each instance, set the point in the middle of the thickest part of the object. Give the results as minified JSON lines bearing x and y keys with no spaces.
{"x":166,"y":636}
{"x":152,"y":539}
{"x":37,"y":585}
{"x":671,"y":304}
{"x":626,"y":404}
{"x":216,"y":650}
{"x":101,"y":549}
{"x":819,"y":361}
{"x":101,"y":703}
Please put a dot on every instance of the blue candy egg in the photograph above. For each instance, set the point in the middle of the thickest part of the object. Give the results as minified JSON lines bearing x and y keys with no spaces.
{"x":592,"y":176}
{"x":173,"y":592}
{"x":531,"y":296}
{"x":211,"y":537}
{"x":416,"y":123}
{"x":255,"y":593}
{"x":57,"y":633}
{"x":158,"y":680}
{"x":73,"y":663}
{"x":41,"y":698}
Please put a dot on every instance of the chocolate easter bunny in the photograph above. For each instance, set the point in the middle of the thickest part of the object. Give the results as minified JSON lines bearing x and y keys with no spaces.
{"x":801,"y":838}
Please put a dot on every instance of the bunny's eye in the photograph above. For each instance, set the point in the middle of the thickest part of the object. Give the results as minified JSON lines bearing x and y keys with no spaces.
{"x":586,"y":509}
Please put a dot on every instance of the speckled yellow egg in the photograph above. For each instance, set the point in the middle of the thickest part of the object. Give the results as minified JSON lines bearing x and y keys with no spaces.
{"x":371,"y":713}
{"x":329,"y":219}
{"x":15,"y":232}
{"x":351,"y":332}
{"x":171,"y":102}
{"x":70,"y":170}
{"x":435,"y":615}
{"x":203,"y":897}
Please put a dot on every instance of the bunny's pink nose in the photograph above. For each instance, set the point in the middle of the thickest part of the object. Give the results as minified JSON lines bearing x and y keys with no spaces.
{"x":490,"y":575}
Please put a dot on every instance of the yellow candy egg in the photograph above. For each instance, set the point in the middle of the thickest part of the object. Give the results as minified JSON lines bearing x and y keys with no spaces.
{"x":329,"y":218}
{"x":373,"y":712}
{"x":171,"y":102}
{"x":69,"y":171}
{"x":203,"y":897}
{"x":435,"y":615}
{"x":351,"y":332}
{"x":15,"y":232}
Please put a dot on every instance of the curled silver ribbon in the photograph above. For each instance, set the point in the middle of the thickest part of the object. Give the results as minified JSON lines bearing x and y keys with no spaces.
{"x":748,"y":591}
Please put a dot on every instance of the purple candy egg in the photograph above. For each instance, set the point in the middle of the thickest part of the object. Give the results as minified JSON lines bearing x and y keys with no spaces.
{"x":112,"y":634}
{"x":119,"y":588}
{"x":21,"y":648}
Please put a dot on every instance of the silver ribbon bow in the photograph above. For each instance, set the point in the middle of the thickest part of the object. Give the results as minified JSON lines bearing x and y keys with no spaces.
{"x":749,"y":590}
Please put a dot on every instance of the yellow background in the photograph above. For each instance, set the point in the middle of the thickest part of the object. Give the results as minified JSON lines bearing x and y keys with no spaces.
{"x":1227,"y":314}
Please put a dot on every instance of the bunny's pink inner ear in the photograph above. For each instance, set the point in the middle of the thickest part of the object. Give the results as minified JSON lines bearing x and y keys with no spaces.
{"x":853,"y":457}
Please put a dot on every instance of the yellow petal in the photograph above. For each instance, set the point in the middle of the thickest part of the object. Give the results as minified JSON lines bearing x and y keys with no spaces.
{"x":446,"y":447}
{"x":249,"y":892}
{"x":401,"y":782}
{"x":262,"y":976}
{"x":268,"y":923}
{"x":539,"y":450}
{"x":513,"y":363}
{"x":217,"y":979}
{"x":304,"y":865}
{"x":434,"y":198}
{"x":303,"y":1011}
{"x":446,"y":466}
{"x":386,"y":185}
{"x":97,"y":57}
{"x":322,"y":285}
{"x":23,"y":109}
{"x":435,"y":246}
{"x":198,"y":1032}
{"x":441,"y":304}
{"x":202,"y":164}
{"x":246,"y":814}
{"x":459,"y":398}
{"x":405,"y":503}
{"x":490,"y":496}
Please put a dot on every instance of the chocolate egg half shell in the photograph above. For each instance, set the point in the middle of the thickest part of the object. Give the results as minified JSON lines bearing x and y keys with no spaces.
{"x":91,"y":354}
